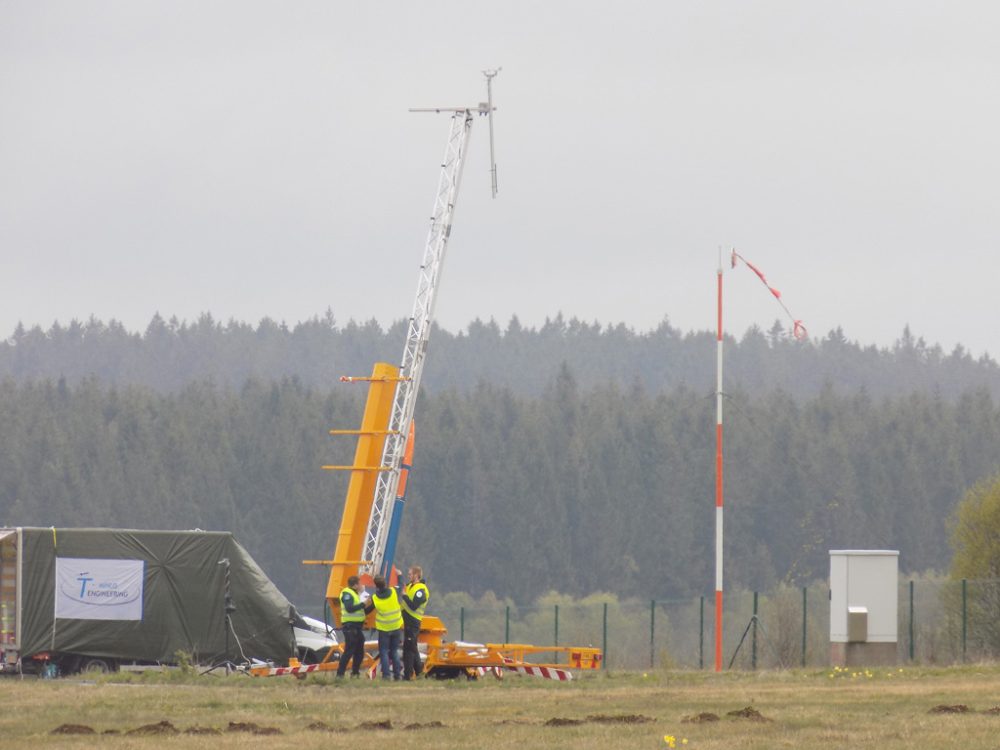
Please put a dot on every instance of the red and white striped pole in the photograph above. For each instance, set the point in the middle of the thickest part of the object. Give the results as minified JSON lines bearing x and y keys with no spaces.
{"x":718,"y":479}
{"x":799,"y":332}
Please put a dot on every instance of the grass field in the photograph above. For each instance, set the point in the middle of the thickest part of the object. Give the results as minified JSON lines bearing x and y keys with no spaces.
{"x":884,"y":709}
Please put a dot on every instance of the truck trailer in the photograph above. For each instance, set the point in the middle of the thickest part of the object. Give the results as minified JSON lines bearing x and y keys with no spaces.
{"x":98,"y":599}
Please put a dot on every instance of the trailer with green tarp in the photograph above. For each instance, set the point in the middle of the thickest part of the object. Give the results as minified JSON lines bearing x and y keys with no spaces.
{"x":97,"y":599}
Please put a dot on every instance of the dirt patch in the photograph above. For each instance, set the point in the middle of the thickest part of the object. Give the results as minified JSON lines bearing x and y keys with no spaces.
{"x":557,"y":722}
{"x":750,"y":713}
{"x":703,"y":718}
{"x":384,"y":724}
{"x":251,"y":728}
{"x":202,"y":730}
{"x":322,"y":726}
{"x":73,"y":729}
{"x":160,"y":727}
{"x":600,"y":719}
{"x":994,"y":710}
{"x":428,"y":725}
{"x":112,"y":731}
{"x":959,"y":708}
{"x":621,"y":719}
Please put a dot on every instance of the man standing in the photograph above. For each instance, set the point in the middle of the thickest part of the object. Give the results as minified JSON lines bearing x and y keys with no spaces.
{"x":414,"y":600}
{"x":352,"y":621}
{"x":389,"y":623}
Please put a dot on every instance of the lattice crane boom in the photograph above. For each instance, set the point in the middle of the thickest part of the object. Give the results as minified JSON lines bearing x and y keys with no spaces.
{"x":418,"y":332}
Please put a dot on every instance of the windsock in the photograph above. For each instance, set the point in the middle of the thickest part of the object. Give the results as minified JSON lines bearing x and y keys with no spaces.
{"x":798,"y":329}
{"x":397,"y":508}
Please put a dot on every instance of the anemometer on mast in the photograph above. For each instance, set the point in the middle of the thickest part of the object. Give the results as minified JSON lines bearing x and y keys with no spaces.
{"x":386,"y":511}
{"x":490,"y":75}
{"x":483,"y":108}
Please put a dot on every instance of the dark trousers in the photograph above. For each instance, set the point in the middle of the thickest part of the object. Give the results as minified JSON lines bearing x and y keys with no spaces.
{"x":354,"y":648}
{"x":388,"y":653}
{"x":412,"y":665}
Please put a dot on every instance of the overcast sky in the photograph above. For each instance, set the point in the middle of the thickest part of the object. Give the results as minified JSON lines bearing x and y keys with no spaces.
{"x":256,"y":159}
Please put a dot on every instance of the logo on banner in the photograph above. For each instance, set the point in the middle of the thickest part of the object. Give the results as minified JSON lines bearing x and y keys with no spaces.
{"x":88,"y":589}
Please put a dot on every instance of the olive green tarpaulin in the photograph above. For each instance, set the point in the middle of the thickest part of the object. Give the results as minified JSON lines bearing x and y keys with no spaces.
{"x":183,"y":598}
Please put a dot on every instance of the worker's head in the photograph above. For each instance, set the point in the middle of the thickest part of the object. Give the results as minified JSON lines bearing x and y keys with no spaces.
{"x":416,"y":573}
{"x":354,"y":582}
{"x":379,"y":582}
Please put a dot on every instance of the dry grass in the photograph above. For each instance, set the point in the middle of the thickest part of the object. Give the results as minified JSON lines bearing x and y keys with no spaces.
{"x":801,"y":710}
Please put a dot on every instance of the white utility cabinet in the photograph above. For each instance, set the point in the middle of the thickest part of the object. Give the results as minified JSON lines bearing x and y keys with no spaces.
{"x":864,"y":604}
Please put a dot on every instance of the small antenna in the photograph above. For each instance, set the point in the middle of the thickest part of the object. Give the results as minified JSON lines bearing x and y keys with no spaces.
{"x":490,"y":75}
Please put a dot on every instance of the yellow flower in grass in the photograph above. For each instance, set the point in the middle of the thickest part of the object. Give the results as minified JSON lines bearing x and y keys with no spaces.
{"x":670,"y":740}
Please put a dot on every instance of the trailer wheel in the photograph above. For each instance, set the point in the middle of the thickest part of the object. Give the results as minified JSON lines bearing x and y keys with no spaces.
{"x":92,"y":665}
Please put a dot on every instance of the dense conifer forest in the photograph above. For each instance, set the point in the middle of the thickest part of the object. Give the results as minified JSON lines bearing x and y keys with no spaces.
{"x":575,"y":457}
{"x":171,"y":354}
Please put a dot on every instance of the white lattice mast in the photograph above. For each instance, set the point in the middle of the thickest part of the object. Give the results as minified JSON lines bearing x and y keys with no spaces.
{"x":418,"y":330}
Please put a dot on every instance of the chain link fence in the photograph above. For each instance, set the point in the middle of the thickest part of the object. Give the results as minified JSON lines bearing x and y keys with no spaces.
{"x":939,"y":622}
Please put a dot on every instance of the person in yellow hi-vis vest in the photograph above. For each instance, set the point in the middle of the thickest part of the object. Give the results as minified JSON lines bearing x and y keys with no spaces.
{"x":389,"y":623}
{"x":414,"y":600}
{"x":352,"y":621}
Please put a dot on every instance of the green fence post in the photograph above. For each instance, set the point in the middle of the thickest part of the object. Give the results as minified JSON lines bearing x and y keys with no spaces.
{"x":965,"y":616}
{"x":912,"y":650}
{"x":604,"y":646}
{"x":461,"y":623}
{"x":506,"y":626}
{"x":804,"y":610}
{"x":753,"y":650}
{"x":652,"y":632}
{"x":555,"y":654}
{"x":701,"y":635}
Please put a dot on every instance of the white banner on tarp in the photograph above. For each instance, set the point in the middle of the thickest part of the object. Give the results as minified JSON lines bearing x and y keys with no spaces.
{"x":89,"y":589}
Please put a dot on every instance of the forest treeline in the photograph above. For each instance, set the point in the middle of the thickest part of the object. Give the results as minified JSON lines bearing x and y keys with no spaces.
{"x":169,"y":354}
{"x":577,"y":488}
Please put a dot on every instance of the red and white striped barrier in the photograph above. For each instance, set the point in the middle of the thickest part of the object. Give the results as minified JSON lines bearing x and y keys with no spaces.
{"x":548,"y":673}
{"x":278,"y":671}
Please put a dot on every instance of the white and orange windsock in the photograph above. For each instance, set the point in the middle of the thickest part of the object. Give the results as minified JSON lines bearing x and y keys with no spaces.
{"x":798,"y":329}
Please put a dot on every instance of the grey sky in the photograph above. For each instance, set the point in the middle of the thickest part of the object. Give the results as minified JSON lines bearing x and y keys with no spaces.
{"x":256,"y":159}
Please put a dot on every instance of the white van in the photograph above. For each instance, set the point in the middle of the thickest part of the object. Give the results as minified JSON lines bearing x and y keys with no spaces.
{"x":313,"y":638}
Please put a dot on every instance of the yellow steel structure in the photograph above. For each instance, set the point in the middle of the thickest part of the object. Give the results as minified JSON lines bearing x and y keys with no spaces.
{"x":361,"y":488}
{"x":443,"y":659}
{"x":451,"y":659}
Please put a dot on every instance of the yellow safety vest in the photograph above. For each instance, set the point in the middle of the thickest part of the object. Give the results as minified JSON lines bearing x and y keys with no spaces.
{"x":388,"y":615}
{"x":412,"y":588}
{"x":357,"y":615}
